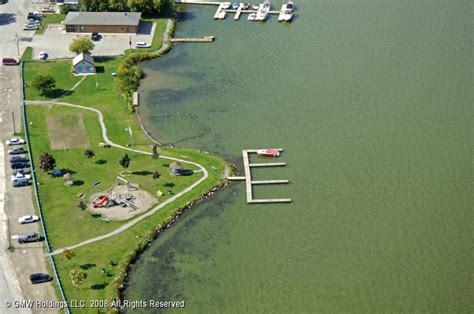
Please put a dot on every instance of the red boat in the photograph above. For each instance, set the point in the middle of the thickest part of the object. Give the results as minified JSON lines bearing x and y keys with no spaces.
{"x":269,"y":152}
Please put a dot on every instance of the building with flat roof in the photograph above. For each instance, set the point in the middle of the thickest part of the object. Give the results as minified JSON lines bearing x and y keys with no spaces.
{"x":103,"y":22}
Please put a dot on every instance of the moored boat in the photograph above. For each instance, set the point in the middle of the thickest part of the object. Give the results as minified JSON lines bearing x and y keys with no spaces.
{"x":226,"y":5}
{"x":255,"y":6}
{"x":269,"y":152}
{"x":252,"y":16}
{"x":235,"y":5}
{"x":289,"y":7}
{"x":245,"y":5}
{"x":287,"y":17}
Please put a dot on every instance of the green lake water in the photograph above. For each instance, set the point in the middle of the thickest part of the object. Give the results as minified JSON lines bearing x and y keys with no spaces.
{"x":372,"y":102}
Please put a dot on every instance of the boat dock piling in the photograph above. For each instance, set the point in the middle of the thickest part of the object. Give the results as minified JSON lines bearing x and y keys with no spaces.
{"x":248,"y":178}
{"x":220,"y":8}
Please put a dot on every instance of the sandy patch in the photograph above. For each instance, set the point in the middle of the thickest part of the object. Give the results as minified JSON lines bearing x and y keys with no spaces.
{"x":142,"y":200}
{"x":67,"y":131}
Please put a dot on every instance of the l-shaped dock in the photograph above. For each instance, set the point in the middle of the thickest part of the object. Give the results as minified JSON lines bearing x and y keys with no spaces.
{"x":249,"y":182}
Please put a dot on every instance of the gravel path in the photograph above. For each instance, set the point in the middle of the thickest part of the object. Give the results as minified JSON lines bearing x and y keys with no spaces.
{"x":108,"y":141}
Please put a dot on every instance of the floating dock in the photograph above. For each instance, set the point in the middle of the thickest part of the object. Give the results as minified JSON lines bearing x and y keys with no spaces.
{"x":205,"y":39}
{"x":249,"y":182}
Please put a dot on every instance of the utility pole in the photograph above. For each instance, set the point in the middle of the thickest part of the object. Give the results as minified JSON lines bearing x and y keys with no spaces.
{"x":130,"y":41}
{"x":17,"y":46}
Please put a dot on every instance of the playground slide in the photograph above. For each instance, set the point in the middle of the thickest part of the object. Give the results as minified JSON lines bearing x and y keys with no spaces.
{"x":101,"y":201}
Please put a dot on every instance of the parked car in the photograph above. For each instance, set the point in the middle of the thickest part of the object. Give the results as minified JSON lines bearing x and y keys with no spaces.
{"x":22,"y":171}
{"x":15,"y":141}
{"x":39,"y":278}
{"x":33,"y":21}
{"x":20,"y":175}
{"x":19,"y":165}
{"x":20,"y":182}
{"x":18,"y":159}
{"x":95,"y":36}
{"x":29,"y":237}
{"x":28,"y":219}
{"x":43,"y":55}
{"x":142,"y":44}
{"x":30,"y":27}
{"x":16,"y":150}
{"x":35,"y":15}
{"x":10,"y":61}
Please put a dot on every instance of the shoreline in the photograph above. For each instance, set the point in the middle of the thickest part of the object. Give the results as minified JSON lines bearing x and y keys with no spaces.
{"x":229,"y":169}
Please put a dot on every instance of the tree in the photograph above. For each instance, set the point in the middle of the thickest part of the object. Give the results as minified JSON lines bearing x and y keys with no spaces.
{"x":155,"y":154}
{"x":156,"y":175}
{"x":44,"y":83}
{"x":69,"y":254}
{"x":47,"y":162}
{"x":82,"y":205}
{"x":81,"y":44}
{"x":89,"y":153}
{"x":77,"y":277}
{"x":64,"y":9}
{"x":124,"y":161}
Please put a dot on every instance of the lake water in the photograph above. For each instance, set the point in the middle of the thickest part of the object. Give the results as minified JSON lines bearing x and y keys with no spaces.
{"x":372,"y":102}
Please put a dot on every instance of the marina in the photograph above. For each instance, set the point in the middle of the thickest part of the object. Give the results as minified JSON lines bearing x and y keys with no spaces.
{"x":258,"y":12}
{"x":249,"y":182}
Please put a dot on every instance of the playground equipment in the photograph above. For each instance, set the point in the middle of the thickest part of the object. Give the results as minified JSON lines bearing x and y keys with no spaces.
{"x":130,"y":187}
{"x":109,"y":200}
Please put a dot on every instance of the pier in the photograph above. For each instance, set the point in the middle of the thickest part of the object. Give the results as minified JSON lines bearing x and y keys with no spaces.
{"x":204,"y":39}
{"x":221,"y":12}
{"x":249,"y":182}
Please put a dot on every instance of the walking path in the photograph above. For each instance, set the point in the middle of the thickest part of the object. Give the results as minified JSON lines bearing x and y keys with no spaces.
{"x":108,"y":141}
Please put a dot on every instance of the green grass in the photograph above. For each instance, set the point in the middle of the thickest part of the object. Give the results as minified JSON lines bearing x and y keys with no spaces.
{"x":157,"y":35}
{"x":66,"y":224}
{"x":27,"y":54}
{"x":49,"y":19}
{"x":62,"y":211}
{"x":60,"y":70}
{"x":101,"y":96}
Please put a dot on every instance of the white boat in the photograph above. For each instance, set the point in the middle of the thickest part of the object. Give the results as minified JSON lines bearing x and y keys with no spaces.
{"x":289,"y":7}
{"x":235,"y":5}
{"x":269,"y":152}
{"x":287,"y":17}
{"x":221,"y":15}
{"x":252,"y":16}
{"x":263,"y":11}
{"x":226,"y":5}
{"x":255,"y":6}
{"x":245,"y":6}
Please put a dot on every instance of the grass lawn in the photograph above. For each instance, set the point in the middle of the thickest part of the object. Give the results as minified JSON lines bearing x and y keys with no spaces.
{"x":49,"y":19}
{"x":62,"y":212}
{"x":27,"y":54}
{"x":66,"y":224}
{"x":95,"y":91}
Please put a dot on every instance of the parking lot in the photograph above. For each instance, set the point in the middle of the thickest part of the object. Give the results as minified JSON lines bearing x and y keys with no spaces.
{"x":55,"y":41}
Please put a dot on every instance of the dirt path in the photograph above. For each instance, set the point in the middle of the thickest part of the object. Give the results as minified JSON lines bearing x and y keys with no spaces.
{"x":107,"y":140}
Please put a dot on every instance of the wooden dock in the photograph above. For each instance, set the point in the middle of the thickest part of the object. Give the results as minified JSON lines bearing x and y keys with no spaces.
{"x":282,"y":12}
{"x":218,"y":11}
{"x":249,"y":182}
{"x":204,"y":39}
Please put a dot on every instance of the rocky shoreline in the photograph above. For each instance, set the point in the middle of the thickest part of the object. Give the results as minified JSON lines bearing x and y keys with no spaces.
{"x":121,"y":280}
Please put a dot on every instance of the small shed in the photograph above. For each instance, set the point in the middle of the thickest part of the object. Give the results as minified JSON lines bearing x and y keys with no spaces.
{"x":176,"y":168}
{"x":83,"y":64}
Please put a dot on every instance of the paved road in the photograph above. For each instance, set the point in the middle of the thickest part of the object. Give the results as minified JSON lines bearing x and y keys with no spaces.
{"x":15,"y":267}
{"x":107,"y":140}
